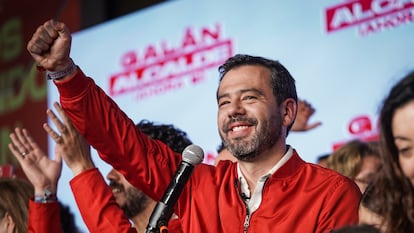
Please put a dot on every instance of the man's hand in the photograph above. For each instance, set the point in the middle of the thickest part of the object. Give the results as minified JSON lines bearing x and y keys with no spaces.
{"x":305,"y":111}
{"x":70,"y":145}
{"x":50,"y":46}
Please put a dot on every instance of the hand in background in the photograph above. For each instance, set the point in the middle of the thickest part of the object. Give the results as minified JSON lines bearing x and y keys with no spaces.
{"x":305,"y":111}
{"x":70,"y":145}
{"x":40,"y":170}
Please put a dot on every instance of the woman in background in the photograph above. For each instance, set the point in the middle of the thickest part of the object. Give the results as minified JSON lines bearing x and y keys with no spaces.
{"x":14,"y":202}
{"x":394,"y":186}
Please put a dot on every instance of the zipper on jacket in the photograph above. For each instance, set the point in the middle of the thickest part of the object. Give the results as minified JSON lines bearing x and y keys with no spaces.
{"x":246,"y":220}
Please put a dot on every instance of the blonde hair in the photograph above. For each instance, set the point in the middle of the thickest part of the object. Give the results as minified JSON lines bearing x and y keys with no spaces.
{"x":347,"y":160}
{"x":14,"y":199}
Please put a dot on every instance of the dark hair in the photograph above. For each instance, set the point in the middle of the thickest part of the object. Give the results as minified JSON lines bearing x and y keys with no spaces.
{"x":393,"y":188}
{"x":282,"y":83}
{"x":322,"y":157}
{"x":363,"y":228}
{"x":173,"y":137}
{"x":67,"y":219}
{"x":369,"y":201}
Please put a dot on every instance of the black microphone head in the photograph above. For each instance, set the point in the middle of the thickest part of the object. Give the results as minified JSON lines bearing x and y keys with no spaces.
{"x":193,"y":154}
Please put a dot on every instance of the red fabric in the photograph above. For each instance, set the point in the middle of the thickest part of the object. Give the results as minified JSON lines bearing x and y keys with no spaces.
{"x":174,"y":226}
{"x":98,"y":207}
{"x":299,"y":197}
{"x":44,"y":217}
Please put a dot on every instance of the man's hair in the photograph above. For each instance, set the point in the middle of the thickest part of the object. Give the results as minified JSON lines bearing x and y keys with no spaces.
{"x":173,"y":137}
{"x":282,"y":83}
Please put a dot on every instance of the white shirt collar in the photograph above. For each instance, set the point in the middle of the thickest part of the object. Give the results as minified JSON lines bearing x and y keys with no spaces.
{"x":254,"y":201}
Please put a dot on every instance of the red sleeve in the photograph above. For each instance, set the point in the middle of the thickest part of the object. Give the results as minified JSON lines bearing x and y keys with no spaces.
{"x":98,"y":208}
{"x":44,"y":217}
{"x":147,"y":164}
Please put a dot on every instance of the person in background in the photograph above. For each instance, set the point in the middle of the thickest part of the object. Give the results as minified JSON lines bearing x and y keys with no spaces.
{"x":15,"y":194}
{"x":67,"y":219}
{"x":357,"y":160}
{"x":136,"y":205}
{"x":322,"y":160}
{"x":395,"y":182}
{"x":357,"y":229}
{"x":44,"y":172}
{"x":257,"y":104}
{"x":369,"y":209}
{"x":301,"y":124}
{"x":223,"y":154}
{"x":302,"y":120}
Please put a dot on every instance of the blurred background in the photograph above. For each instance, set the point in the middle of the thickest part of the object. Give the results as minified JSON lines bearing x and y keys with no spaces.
{"x":23,"y":92}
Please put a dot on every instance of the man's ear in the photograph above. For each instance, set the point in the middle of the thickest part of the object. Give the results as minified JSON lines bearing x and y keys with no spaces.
{"x":10,"y":224}
{"x":289,"y":109}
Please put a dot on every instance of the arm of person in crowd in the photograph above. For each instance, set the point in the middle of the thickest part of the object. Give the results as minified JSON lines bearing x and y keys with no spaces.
{"x":147,"y":164}
{"x":305,"y":112}
{"x":94,"y":198}
{"x":44,"y":174}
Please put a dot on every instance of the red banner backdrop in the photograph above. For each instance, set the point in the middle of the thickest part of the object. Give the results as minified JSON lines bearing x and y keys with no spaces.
{"x":23,"y":90}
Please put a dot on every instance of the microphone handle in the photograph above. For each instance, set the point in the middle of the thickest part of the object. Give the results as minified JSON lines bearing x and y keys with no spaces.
{"x":164,"y":208}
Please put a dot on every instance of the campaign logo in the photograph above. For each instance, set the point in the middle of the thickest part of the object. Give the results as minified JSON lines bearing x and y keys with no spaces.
{"x":361,"y":128}
{"x":369,"y":16}
{"x":164,"y":67}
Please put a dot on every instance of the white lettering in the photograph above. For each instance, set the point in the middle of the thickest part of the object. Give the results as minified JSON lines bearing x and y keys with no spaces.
{"x":342,"y":16}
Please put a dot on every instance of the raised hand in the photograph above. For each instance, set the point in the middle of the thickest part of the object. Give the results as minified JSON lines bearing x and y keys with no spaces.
{"x":70,"y":145}
{"x":50,"y":46}
{"x":305,"y":111}
{"x":42,"y":171}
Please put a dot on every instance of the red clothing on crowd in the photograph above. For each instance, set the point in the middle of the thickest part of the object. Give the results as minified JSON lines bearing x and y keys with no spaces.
{"x":298,"y":197}
{"x":98,"y":207}
{"x":44,"y":217}
{"x":96,"y":204}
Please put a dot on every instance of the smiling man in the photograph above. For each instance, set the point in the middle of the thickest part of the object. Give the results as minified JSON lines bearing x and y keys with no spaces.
{"x":270,"y":188}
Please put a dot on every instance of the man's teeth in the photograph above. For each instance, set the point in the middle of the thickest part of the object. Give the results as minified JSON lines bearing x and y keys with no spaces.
{"x":238,"y":128}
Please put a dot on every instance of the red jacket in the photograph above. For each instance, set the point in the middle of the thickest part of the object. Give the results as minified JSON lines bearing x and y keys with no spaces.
{"x":298,"y":197}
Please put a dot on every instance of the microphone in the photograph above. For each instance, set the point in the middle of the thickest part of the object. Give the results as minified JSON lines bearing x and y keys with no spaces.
{"x":192,"y":155}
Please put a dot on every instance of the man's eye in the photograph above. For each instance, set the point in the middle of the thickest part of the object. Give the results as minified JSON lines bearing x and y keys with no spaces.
{"x":250,"y":97}
{"x":223,"y":103}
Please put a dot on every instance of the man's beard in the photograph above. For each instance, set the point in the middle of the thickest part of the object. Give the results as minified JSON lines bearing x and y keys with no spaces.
{"x":135,"y":200}
{"x":266,"y":136}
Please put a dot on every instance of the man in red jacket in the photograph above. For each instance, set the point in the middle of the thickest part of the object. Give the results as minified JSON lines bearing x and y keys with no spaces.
{"x":269,"y":189}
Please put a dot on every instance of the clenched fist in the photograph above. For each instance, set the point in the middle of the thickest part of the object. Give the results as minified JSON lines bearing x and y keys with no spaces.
{"x":50,"y":46}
